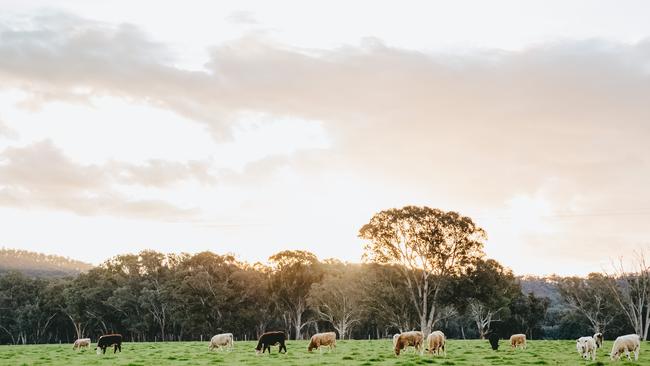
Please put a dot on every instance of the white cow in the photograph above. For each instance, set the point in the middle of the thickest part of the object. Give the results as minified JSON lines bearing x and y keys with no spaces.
{"x":625,"y":344}
{"x":224,"y":340}
{"x":81,"y":343}
{"x":586,"y":347}
{"x":436,"y":342}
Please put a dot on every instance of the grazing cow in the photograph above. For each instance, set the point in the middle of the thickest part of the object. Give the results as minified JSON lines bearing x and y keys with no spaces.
{"x":322,"y":339}
{"x":414,"y":338}
{"x":108,"y":340}
{"x":221,"y":341}
{"x":494,"y":341}
{"x":81,"y":343}
{"x":518,"y":340}
{"x":626,"y":343}
{"x":436,"y":342}
{"x":586,"y":347}
{"x":269,"y":339}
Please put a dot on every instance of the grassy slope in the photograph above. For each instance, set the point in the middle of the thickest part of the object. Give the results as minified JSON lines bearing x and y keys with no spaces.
{"x":359,"y":352}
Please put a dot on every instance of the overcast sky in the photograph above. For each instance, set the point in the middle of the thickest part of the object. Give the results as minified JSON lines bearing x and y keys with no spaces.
{"x":254,"y":127}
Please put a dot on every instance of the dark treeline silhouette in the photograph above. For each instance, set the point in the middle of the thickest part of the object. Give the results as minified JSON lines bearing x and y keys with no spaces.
{"x":424,"y":270}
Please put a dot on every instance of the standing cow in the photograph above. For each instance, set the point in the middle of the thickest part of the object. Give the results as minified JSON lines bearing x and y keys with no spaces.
{"x":518,"y":340}
{"x":224,"y":340}
{"x":319,"y":340}
{"x":624,"y":345}
{"x":108,"y":340}
{"x":406,"y":339}
{"x":436,"y":343}
{"x":81,"y":343}
{"x":269,"y":339}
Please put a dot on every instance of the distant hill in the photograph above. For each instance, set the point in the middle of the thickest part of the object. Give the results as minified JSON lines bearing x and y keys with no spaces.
{"x":540,"y":286}
{"x":38,"y":264}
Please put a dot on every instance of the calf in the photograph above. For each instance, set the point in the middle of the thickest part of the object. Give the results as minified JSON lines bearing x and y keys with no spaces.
{"x":81,"y":343}
{"x":108,"y":340}
{"x":322,"y":339}
{"x":269,"y":339}
{"x":221,"y":340}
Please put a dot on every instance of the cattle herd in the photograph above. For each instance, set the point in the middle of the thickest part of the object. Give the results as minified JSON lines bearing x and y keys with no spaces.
{"x":435,"y":343}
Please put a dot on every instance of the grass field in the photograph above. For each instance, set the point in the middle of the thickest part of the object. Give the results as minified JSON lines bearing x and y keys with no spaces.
{"x":356,"y":352}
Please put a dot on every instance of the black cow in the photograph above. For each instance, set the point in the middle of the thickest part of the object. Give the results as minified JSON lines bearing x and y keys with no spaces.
{"x":494,"y":341}
{"x":108,"y":340}
{"x":269,"y":339}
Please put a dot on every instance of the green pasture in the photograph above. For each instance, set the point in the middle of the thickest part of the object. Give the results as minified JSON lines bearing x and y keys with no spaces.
{"x":355,"y":352}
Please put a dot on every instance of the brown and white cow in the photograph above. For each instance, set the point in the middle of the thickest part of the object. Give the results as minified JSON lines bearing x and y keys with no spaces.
{"x":409,"y":339}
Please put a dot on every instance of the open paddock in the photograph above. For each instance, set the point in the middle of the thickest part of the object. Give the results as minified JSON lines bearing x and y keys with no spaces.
{"x":355,"y":352}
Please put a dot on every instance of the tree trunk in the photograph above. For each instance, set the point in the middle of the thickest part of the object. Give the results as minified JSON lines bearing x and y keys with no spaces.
{"x":297,"y":323}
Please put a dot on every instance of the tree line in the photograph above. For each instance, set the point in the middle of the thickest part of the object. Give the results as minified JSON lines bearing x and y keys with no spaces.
{"x":423,"y":269}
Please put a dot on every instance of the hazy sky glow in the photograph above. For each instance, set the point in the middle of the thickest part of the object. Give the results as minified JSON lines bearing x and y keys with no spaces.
{"x":253,"y":127}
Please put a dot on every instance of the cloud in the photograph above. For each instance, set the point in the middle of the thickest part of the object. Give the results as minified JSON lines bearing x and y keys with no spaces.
{"x":161,"y":173}
{"x":243,"y":17}
{"x":7,"y":132}
{"x":386,"y":96}
{"x":40,"y":175}
{"x":470,"y":131}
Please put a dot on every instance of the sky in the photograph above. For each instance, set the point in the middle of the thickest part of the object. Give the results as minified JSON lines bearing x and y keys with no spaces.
{"x":254,"y":127}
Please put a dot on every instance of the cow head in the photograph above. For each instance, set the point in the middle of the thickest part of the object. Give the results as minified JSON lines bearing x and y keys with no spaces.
{"x":598,"y":337}
{"x":398,"y":348}
{"x":493,"y":338}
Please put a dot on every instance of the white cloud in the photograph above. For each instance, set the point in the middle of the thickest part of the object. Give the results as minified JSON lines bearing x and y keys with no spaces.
{"x":378,"y":126}
{"x":41,"y":176}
